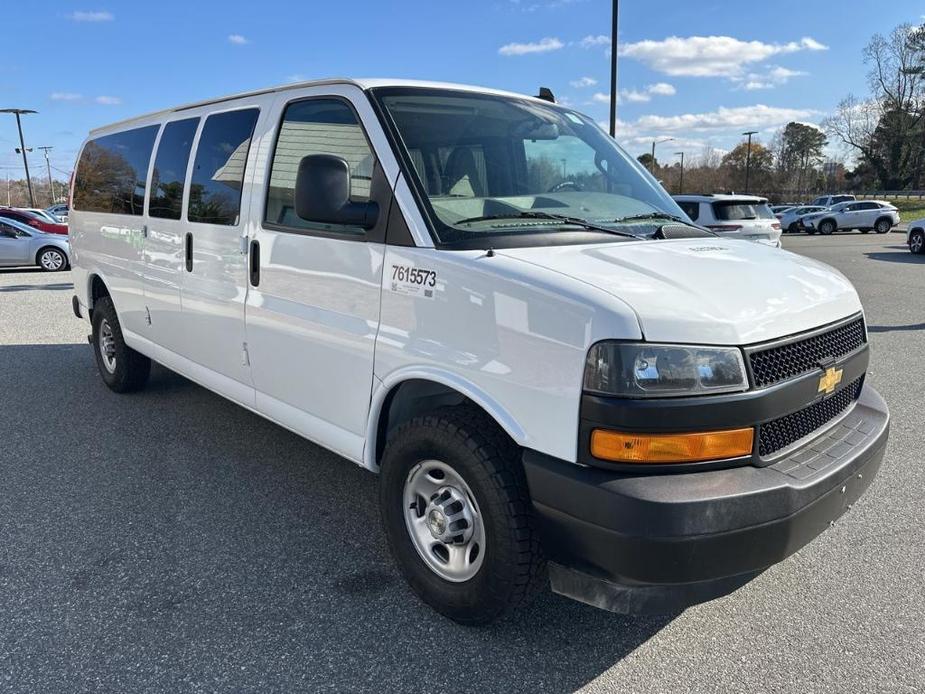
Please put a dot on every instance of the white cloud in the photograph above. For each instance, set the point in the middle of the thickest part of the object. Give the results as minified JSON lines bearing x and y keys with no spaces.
{"x":65,"y":96}
{"x":583,"y":82}
{"x":634,"y":96}
{"x":757,"y":116}
{"x":710,"y":56}
{"x":592,"y":41}
{"x":637,"y":96}
{"x":544,"y":45}
{"x":774,"y":77}
{"x":237,"y":39}
{"x":661,"y":89}
{"x":97,"y":16}
{"x":108,"y":100}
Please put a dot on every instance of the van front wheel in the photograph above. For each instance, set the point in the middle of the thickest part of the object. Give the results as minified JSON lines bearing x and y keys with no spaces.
{"x":457,"y":515}
{"x":123,"y":369}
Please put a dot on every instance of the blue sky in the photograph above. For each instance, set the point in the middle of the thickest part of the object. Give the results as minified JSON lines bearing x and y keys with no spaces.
{"x":701,"y":72}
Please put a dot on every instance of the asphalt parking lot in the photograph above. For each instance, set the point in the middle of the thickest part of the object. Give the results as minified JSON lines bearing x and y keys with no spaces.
{"x":172,"y":541}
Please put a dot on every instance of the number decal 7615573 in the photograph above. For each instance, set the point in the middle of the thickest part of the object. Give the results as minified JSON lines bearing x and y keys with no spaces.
{"x":403,"y":274}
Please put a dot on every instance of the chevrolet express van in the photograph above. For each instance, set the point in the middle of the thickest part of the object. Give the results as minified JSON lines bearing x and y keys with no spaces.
{"x":478,"y":295}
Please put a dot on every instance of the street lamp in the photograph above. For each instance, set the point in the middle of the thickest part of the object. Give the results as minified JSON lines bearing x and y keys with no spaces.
{"x":681,"y":180}
{"x":656,"y":142}
{"x":748,"y":157}
{"x":22,"y":145}
{"x":614,"y":20}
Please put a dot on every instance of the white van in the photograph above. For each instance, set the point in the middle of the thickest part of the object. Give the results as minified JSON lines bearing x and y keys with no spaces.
{"x":481,"y":297}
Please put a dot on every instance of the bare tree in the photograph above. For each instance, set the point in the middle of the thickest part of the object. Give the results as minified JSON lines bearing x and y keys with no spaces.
{"x":886,"y":129}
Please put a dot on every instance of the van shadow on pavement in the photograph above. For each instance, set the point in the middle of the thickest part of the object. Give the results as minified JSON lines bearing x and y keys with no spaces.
{"x":171,"y":540}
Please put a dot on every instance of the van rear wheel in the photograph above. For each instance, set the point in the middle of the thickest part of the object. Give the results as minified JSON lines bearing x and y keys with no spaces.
{"x":123,"y":369}
{"x":457,"y":515}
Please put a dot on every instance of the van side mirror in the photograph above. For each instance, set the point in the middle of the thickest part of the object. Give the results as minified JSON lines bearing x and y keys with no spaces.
{"x":322,"y":193}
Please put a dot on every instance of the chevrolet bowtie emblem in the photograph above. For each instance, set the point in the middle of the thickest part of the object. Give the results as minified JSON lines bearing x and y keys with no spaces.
{"x":830,"y":380}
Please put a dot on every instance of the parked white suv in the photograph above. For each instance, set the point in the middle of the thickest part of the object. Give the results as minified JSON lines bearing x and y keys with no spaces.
{"x":790,"y":219}
{"x":864,"y":215}
{"x":829,"y":200}
{"x":481,"y":297}
{"x":915,"y":237}
{"x":736,"y":216}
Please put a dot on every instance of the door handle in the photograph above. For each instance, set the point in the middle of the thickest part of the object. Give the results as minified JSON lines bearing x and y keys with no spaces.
{"x":188,"y":243}
{"x":255,"y":263}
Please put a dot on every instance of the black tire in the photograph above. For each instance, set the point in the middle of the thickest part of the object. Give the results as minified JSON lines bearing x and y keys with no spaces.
{"x":917,"y":241}
{"x":512,"y":569}
{"x":130,"y":370}
{"x":826,"y":227}
{"x":58,"y":263}
{"x":794,"y":228}
{"x":883,"y":226}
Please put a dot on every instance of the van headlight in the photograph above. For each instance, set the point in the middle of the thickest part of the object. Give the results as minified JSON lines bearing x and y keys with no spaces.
{"x":658,"y":370}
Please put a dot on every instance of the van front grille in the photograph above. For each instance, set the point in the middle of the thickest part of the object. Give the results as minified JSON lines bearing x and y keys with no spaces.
{"x":784,"y":431}
{"x":783,"y":362}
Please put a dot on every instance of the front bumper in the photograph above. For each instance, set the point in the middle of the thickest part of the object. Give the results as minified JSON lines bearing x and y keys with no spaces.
{"x":656,"y":543}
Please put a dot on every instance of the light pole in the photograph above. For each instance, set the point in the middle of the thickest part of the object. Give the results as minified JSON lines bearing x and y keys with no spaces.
{"x":22,"y":145}
{"x":51,"y":181}
{"x":614,"y":21}
{"x":748,"y":157}
{"x":681,"y":180}
{"x":656,"y":142}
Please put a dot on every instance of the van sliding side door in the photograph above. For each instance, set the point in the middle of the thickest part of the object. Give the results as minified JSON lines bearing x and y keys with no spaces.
{"x":214,"y":261}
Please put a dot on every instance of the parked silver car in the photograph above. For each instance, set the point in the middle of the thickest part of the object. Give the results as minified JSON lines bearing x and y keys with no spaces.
{"x":20,"y":244}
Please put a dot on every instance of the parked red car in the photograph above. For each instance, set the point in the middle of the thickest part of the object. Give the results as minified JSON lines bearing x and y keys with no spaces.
{"x":33,"y":220}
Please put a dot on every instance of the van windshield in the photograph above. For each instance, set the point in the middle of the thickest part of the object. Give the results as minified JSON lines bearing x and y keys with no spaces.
{"x":488,"y":165}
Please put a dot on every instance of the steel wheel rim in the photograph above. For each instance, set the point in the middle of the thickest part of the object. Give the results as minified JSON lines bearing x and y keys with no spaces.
{"x":882,"y":227}
{"x":51,"y":260}
{"x":917,"y":243}
{"x":107,"y":345}
{"x":443,"y":521}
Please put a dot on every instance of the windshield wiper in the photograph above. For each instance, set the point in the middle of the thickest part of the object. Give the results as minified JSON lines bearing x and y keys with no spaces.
{"x":651,"y":215}
{"x":576,"y":221}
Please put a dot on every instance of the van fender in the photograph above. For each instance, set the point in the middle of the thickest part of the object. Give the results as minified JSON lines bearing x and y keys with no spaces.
{"x":91,"y":275}
{"x":382,"y":387}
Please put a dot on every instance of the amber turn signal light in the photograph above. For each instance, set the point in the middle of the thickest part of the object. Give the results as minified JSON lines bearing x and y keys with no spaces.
{"x":622,"y":447}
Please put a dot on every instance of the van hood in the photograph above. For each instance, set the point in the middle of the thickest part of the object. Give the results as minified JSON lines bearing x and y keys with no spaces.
{"x":707,"y":290}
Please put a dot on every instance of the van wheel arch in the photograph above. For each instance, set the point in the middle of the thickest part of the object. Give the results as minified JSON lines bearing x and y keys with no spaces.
{"x":416,"y":396}
{"x":97,"y":290}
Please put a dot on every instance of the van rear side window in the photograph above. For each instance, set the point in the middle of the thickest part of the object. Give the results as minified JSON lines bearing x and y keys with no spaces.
{"x":218,"y":174}
{"x":113,"y":170}
{"x":169,"y":175}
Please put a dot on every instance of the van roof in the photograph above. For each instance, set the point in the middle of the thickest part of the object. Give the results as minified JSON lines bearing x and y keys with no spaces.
{"x":363,"y":84}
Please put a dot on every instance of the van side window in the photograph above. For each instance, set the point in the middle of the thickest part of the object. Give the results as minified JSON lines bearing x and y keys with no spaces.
{"x":169,"y":176}
{"x":317,"y":126}
{"x":218,"y":172}
{"x":113,"y":170}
